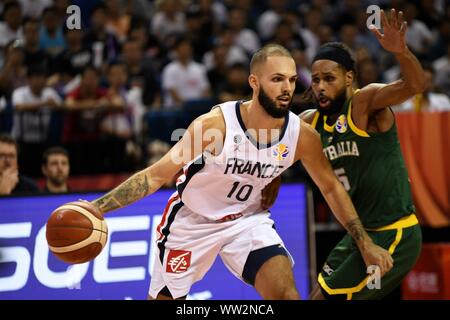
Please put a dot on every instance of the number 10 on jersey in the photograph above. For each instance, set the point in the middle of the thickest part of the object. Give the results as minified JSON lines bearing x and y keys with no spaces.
{"x":240,"y":192}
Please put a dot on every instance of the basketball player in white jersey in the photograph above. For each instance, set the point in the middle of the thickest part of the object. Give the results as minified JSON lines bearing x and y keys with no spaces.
{"x":216,"y":209}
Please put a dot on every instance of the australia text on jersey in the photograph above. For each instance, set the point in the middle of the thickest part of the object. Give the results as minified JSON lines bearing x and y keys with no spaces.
{"x":341,"y":149}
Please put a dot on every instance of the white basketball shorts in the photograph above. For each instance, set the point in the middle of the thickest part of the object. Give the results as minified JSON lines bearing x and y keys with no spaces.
{"x":188,"y":244}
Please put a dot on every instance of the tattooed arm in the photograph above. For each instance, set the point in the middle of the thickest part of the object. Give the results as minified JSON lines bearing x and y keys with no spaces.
{"x":337,"y":198}
{"x":134,"y":188}
{"x":149,"y":180}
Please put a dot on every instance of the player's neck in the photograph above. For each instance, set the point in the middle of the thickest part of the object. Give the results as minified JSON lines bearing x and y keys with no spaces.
{"x":255,"y":117}
{"x":264,"y":128}
{"x":333,"y":117}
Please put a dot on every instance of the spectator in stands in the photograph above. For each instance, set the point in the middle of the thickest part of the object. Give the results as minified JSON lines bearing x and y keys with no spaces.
{"x":236,"y":86}
{"x":253,"y":10}
{"x":14,"y":72}
{"x":243,"y":37}
{"x":32,"y":105}
{"x":141,"y":73}
{"x":325,"y":34}
{"x":418,"y":36}
{"x":367,"y":73}
{"x":310,"y":32}
{"x":196,"y":33}
{"x":430,"y":100}
{"x":11,"y":27}
{"x":184,"y":79}
{"x":51,"y":37}
{"x":286,"y":36}
{"x":156,"y":149}
{"x":365,"y":38}
{"x":303,"y":80}
{"x":122,"y":122}
{"x":214,"y":15}
{"x":151,"y":48}
{"x":33,"y":9}
{"x":217,"y":74}
{"x":234,"y":54}
{"x":268,"y":21}
{"x":34,"y":55}
{"x":168,"y":20}
{"x":429,"y":13}
{"x":61,"y":9}
{"x":348,"y":34}
{"x":118,"y":18}
{"x":102,"y":42}
{"x":141,"y":9}
{"x":86,"y":106}
{"x":11,"y":182}
{"x":72,"y":61}
{"x":56,"y":169}
{"x":442,"y":70}
{"x":345,"y":12}
{"x":439,"y":48}
{"x":117,"y":121}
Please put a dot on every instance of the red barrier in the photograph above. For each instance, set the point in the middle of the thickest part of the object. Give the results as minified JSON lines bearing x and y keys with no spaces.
{"x":424,"y":138}
{"x":99,"y":182}
{"x":430,"y":278}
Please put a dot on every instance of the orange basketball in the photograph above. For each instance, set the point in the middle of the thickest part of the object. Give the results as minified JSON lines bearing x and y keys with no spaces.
{"x":76,"y":232}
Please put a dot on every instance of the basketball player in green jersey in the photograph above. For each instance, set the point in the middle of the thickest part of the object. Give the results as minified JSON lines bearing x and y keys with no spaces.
{"x":359,"y":138}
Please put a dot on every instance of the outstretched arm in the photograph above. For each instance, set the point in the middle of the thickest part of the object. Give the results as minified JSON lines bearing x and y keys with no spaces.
{"x":134,"y":188}
{"x":380,"y":96}
{"x":149,"y":180}
{"x":318,"y":167}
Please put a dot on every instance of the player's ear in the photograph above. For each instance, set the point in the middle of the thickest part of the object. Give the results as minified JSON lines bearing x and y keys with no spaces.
{"x":253,"y":81}
{"x":349,"y":77}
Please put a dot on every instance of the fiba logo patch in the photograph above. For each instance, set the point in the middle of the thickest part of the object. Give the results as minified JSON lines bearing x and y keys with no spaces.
{"x":280,"y":152}
{"x":341,"y":124}
{"x":237,"y":139}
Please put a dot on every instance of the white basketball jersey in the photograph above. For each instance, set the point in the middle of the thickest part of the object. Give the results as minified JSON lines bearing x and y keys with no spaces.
{"x":229,"y":184}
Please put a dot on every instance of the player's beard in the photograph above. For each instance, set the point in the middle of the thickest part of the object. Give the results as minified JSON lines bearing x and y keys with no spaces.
{"x":270,"y":105}
{"x":336,"y":104}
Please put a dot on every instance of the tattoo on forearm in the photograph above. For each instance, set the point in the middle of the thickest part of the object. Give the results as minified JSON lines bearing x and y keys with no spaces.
{"x":355,"y":229}
{"x":133,"y":189}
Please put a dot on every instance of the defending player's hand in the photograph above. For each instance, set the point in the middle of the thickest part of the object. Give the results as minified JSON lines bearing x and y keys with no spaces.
{"x":376,"y":255}
{"x":270,"y":193}
{"x":394,"y":30}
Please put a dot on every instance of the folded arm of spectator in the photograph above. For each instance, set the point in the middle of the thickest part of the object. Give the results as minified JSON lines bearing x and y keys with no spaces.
{"x":77,"y":105}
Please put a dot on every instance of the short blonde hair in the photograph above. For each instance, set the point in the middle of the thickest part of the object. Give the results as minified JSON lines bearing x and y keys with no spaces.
{"x":268,"y":50}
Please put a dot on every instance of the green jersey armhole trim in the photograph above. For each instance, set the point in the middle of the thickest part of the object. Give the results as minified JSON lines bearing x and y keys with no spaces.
{"x":352,"y":125}
{"x":316,"y":118}
{"x":327,"y":127}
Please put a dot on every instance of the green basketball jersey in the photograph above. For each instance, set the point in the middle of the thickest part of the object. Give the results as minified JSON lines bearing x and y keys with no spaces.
{"x":370,"y":166}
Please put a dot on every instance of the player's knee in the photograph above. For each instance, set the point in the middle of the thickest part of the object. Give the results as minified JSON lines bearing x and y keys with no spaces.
{"x":290,"y":293}
{"x":284,"y":293}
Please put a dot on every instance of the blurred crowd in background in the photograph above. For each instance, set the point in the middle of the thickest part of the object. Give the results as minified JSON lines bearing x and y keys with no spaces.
{"x":112,"y":92}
